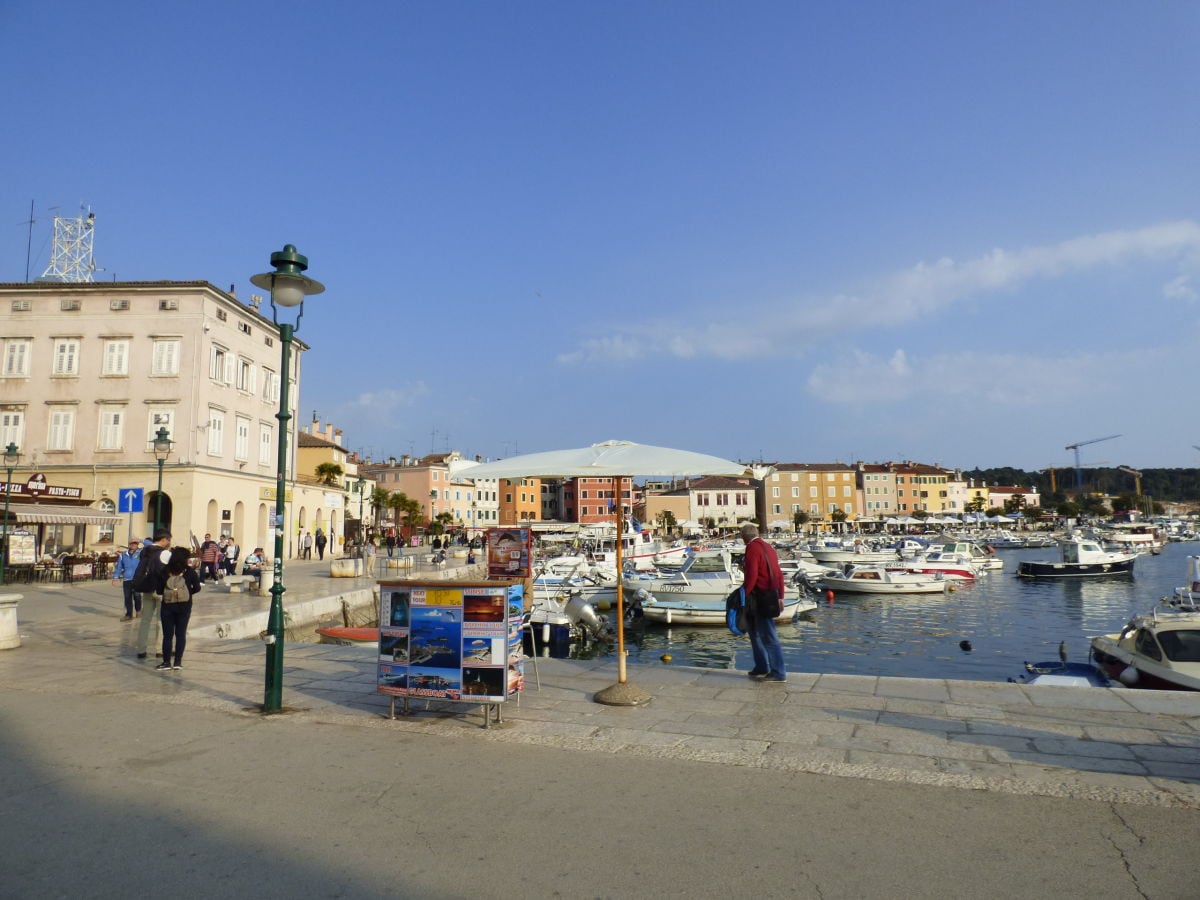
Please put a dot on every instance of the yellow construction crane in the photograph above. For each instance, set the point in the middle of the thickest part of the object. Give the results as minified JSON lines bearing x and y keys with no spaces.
{"x":1137,"y":478}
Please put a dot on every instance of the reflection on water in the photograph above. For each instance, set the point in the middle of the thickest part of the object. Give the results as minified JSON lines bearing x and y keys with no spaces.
{"x":1007,"y":620}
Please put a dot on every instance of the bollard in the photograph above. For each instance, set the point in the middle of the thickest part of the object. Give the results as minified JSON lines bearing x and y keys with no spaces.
{"x":10,"y":635}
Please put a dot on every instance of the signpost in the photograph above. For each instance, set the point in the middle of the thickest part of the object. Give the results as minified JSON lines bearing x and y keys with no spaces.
{"x":130,"y":500}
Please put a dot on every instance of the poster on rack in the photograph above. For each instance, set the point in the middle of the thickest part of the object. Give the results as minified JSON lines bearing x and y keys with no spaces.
{"x":448,"y":641}
{"x":510,"y":552}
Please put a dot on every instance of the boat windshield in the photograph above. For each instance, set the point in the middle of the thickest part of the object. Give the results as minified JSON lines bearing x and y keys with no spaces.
{"x":1182,"y":645}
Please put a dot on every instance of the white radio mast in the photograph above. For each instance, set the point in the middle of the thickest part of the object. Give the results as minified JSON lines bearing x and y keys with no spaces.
{"x":71,"y":256}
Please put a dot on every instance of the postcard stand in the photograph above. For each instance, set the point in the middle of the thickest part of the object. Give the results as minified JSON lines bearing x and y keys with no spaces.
{"x":452,"y":641}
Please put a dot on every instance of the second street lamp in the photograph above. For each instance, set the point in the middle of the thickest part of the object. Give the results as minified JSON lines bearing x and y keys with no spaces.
{"x":288,"y":286}
{"x":11,"y":458}
{"x":162,"y":449}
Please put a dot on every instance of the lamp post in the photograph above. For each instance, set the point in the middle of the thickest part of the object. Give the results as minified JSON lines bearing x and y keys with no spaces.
{"x":11,"y":458}
{"x":361,"y":485}
{"x":162,"y":449}
{"x":288,"y":286}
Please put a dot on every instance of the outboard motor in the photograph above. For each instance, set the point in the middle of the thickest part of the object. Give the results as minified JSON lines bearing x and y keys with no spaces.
{"x":633,"y":606}
{"x":583,"y":614}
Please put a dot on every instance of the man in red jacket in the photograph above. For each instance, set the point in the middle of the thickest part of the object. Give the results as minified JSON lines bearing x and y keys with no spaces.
{"x":761,"y":567}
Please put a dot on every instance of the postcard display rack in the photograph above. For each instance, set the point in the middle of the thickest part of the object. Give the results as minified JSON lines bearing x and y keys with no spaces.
{"x":451,"y":641}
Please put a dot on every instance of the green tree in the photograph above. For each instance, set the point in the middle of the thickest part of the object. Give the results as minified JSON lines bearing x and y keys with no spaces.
{"x":667,"y":521}
{"x":976,"y":504}
{"x":1068,"y":509}
{"x":799,"y":519}
{"x":329,"y":473}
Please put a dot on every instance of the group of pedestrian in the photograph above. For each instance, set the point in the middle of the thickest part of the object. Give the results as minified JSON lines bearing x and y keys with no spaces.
{"x":159,"y":583}
{"x":218,"y":558}
{"x":309,"y":540}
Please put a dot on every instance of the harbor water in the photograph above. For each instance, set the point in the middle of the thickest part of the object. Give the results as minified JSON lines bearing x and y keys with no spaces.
{"x":1005,"y":621}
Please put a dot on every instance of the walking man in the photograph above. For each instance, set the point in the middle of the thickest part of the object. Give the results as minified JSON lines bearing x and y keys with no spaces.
{"x":123,"y":572}
{"x":763,"y":579}
{"x":155,"y":555}
{"x":321,"y":541}
{"x":306,"y":543}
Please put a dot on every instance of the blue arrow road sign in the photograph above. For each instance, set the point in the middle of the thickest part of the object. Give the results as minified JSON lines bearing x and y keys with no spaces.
{"x":130,"y":500}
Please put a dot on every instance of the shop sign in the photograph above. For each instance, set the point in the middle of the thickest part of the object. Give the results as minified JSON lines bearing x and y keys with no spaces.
{"x":36,"y":488}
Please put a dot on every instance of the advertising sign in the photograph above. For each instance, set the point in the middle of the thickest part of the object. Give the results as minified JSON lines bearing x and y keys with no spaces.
{"x":450,"y":641}
{"x":510,"y":552}
{"x":21,"y":549}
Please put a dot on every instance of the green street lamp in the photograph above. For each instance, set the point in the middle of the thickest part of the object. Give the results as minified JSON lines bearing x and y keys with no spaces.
{"x":11,"y":458}
{"x":288,"y":286}
{"x":162,"y":449}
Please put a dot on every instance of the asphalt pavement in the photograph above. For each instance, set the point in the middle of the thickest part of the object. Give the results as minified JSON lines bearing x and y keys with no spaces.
{"x":119,"y":778}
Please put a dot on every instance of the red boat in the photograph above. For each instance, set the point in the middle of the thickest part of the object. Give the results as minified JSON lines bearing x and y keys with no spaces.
{"x":339,"y":634}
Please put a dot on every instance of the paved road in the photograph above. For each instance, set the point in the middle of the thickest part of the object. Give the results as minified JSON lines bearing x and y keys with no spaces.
{"x":119,"y":780}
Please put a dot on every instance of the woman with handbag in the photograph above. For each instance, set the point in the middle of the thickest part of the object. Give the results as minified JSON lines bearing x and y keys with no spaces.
{"x":764,"y":601}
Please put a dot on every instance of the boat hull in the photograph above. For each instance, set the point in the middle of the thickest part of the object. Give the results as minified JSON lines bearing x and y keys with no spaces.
{"x":341,"y":635}
{"x":1034,"y":569}
{"x":1114,"y":660}
{"x":853,"y":586}
{"x":697,"y":612}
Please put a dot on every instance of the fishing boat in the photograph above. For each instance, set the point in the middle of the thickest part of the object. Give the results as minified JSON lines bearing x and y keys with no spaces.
{"x":1161,"y":649}
{"x":1079,"y":557}
{"x":871,"y":579}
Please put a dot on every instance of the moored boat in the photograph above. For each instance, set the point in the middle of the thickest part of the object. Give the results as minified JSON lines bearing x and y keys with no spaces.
{"x":1063,"y":674}
{"x":871,"y":579}
{"x":1160,"y":649}
{"x":340,"y":634}
{"x":1079,"y":558}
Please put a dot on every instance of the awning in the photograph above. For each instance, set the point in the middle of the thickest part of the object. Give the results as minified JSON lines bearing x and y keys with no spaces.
{"x":47,"y":514}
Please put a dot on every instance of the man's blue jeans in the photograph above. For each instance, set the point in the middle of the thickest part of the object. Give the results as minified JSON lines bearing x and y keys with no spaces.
{"x":768,"y":652}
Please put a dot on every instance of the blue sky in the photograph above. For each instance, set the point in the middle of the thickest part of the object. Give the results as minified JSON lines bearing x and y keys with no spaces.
{"x":959,"y":233}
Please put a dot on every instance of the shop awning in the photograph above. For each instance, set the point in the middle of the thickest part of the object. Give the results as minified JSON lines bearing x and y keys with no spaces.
{"x":49,"y":514}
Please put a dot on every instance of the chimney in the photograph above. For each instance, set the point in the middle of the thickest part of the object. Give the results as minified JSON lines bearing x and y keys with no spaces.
{"x":233,"y":291}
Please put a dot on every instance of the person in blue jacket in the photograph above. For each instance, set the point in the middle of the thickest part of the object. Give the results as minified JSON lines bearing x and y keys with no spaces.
{"x":123,"y":571}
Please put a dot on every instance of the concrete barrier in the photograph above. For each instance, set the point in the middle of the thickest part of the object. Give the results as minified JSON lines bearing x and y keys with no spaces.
{"x":345,"y":568}
{"x":400,"y":562}
{"x":10,"y":634}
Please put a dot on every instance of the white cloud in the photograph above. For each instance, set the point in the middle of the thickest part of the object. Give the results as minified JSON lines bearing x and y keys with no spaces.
{"x":1180,"y":288}
{"x":389,"y":399}
{"x":952,"y":385}
{"x":906,"y":296}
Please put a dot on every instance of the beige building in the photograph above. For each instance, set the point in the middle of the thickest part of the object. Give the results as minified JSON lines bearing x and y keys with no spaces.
{"x":817,"y":489}
{"x":89,"y":373}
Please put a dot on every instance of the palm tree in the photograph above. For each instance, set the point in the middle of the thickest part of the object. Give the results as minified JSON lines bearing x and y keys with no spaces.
{"x":329,"y":473}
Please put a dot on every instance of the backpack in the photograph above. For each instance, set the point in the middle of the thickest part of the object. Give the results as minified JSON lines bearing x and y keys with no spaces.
{"x":143,"y":577}
{"x":176,"y":590}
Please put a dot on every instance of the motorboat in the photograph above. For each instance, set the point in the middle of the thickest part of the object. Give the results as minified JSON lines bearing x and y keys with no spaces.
{"x":979,"y":556}
{"x":695,"y":593}
{"x":874,"y":579}
{"x":1080,"y":557}
{"x":558,"y":580}
{"x":856,"y":551}
{"x":1161,"y":649}
{"x":953,"y":566}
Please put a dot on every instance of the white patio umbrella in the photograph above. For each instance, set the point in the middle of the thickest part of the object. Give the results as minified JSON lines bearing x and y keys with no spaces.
{"x":613,"y":459}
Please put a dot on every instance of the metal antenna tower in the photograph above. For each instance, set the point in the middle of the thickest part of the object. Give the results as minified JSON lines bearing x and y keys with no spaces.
{"x":71,"y":256}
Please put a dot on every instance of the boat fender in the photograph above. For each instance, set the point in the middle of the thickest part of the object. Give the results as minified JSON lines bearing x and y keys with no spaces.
{"x":1129,"y":676}
{"x":829,"y":596}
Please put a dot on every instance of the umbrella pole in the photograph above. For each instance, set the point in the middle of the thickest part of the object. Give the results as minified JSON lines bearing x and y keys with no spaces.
{"x":622,"y":693}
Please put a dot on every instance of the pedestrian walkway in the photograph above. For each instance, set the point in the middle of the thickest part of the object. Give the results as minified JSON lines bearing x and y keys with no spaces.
{"x":1137,"y":747}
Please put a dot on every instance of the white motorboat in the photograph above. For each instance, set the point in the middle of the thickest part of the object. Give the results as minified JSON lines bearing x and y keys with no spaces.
{"x":1160,"y":649}
{"x":1080,"y":557}
{"x":981,"y":558}
{"x":695,"y":593}
{"x":838,"y":552}
{"x":952,"y":566}
{"x":874,"y":579}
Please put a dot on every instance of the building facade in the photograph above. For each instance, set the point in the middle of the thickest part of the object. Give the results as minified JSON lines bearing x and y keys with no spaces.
{"x":89,"y":374}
